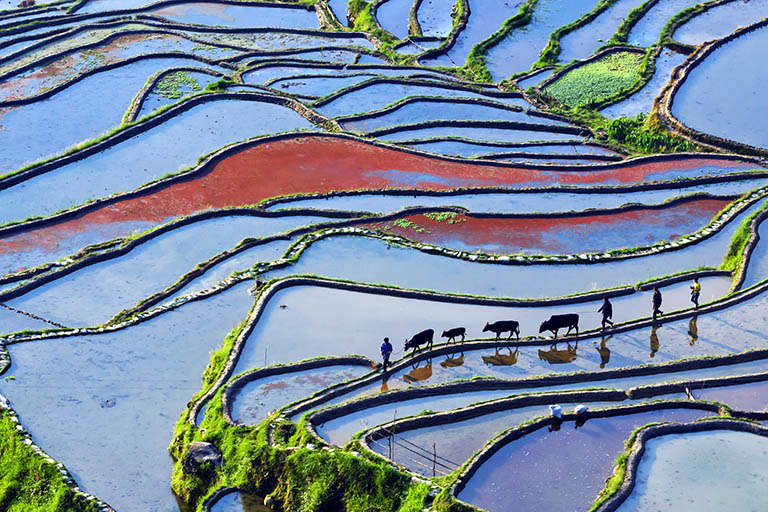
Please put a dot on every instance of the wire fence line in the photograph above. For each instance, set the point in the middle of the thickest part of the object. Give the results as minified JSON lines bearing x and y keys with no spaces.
{"x":425,"y":459}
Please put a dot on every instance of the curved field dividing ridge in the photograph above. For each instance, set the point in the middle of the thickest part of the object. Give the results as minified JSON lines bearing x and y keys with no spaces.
{"x":317,"y":164}
{"x":736,"y":103}
{"x":214,"y":212}
{"x":556,"y":235}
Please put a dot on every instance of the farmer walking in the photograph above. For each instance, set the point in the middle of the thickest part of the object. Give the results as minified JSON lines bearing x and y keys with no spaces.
{"x":607,"y":310}
{"x":656,"y":302}
{"x":695,"y":292}
{"x":386,"y":351}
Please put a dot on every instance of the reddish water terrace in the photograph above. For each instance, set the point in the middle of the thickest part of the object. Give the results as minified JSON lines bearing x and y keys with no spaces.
{"x":322,"y":164}
{"x":563,"y":234}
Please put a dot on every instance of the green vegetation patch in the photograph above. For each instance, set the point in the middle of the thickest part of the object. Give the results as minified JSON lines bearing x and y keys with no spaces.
{"x":175,"y":85}
{"x":27,"y":481}
{"x":597,"y":80}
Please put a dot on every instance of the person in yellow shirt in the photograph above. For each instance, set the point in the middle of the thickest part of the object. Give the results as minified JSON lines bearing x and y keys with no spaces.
{"x":695,"y":292}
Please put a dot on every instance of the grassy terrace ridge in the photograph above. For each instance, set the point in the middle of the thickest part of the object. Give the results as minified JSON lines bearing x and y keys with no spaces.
{"x":476,"y":68}
{"x":598,"y":80}
{"x":552,"y":51}
{"x":30,"y":483}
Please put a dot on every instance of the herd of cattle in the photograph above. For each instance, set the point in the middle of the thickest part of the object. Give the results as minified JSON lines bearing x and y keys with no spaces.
{"x":554,"y":324}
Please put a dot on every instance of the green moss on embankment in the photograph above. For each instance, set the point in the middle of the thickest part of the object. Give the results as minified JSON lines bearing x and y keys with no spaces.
{"x":597,"y":80}
{"x":298,"y":478}
{"x":476,"y":68}
{"x":28,"y":483}
{"x":735,"y":255}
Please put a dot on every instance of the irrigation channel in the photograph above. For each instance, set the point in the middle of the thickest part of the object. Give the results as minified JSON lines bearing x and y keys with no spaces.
{"x":214,"y":212}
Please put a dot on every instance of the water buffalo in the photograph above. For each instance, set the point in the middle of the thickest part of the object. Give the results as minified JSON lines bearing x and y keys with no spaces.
{"x":420,"y":339}
{"x":452,"y":333}
{"x":557,"y":322}
{"x":513,"y":326}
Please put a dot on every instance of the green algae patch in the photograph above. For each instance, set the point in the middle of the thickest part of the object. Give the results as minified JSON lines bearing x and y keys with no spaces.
{"x":597,"y":80}
{"x":28,"y":482}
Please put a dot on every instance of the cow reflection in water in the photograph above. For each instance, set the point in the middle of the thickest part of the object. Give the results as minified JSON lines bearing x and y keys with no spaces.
{"x":452,"y":361}
{"x":499,"y":359}
{"x":555,"y":356}
{"x":419,"y":373}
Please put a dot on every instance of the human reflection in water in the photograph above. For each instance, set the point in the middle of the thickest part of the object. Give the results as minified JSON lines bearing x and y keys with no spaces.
{"x":452,"y":361}
{"x":693,"y":330}
{"x":604,"y":351}
{"x":654,"y":340}
{"x":580,"y":421}
{"x":419,"y":373}
{"x":555,"y":425}
{"x":555,"y":356}
{"x":500,"y":359}
{"x":385,"y":383}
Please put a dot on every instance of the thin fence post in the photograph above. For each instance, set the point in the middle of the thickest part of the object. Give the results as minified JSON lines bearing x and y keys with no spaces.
{"x":434,"y":460}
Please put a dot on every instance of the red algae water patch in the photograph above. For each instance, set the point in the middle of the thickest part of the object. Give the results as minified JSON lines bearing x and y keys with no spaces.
{"x":557,"y":235}
{"x":310,"y":164}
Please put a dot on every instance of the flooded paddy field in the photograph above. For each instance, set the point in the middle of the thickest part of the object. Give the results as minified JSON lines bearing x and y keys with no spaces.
{"x":213,"y":214}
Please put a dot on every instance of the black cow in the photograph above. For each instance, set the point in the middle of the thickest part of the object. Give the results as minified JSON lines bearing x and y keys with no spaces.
{"x":513,"y":326}
{"x":452,"y":333}
{"x":557,"y":322}
{"x":420,"y":339}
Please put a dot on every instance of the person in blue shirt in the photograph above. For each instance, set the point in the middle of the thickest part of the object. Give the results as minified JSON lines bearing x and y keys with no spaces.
{"x":386,"y":351}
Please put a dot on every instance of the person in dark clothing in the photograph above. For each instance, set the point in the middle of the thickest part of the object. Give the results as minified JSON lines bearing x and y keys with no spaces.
{"x":607,"y":310}
{"x":386,"y":351}
{"x":656,"y":302}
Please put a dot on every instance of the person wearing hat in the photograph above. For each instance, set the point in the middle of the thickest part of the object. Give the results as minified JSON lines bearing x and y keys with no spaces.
{"x":386,"y":351}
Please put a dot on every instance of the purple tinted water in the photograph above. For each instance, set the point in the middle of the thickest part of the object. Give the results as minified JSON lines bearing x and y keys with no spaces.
{"x":583,"y":41}
{"x":120,"y":394}
{"x":435,"y":17}
{"x":377,"y":96}
{"x":158,"y":99}
{"x":374,"y":261}
{"x":368,"y":318}
{"x":521,"y":48}
{"x":479,"y":27}
{"x":32,"y":132}
{"x":714,"y":470}
{"x":457,"y":442}
{"x":238,"y":16}
{"x":646,"y":31}
{"x":463,"y":148}
{"x":725,"y":94}
{"x":560,"y":470}
{"x":254,"y":401}
{"x":422,"y":111}
{"x":394,"y":17}
{"x":720,"y":21}
{"x":478,"y":133}
{"x":757,"y":269}
{"x":174,"y":145}
{"x":92,"y":295}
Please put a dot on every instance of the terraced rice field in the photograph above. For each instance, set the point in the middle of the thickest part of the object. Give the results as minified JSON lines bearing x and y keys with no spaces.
{"x":212,"y":214}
